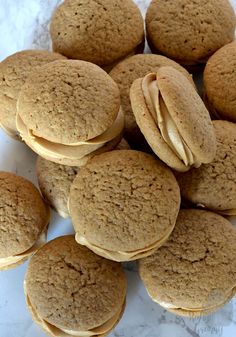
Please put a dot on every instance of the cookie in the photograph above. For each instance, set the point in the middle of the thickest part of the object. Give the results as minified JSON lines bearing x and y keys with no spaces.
{"x":24,"y":218}
{"x":55,"y":181}
{"x":220,"y":83}
{"x":70,"y":291}
{"x":125,"y":73}
{"x":124,"y":204}
{"x":68,"y":111}
{"x":194,"y":272}
{"x":189,"y":31}
{"x":14,"y":71}
{"x":173,"y":119}
{"x":213,"y":186}
{"x":102,"y":32}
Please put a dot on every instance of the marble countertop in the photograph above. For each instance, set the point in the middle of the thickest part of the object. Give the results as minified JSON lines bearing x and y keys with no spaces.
{"x":24,"y":25}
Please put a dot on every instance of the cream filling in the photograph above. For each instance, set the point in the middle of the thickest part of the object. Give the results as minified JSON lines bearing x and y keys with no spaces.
{"x":120,"y":255}
{"x":167,"y":305}
{"x":71,"y":151}
{"x":165,"y":122}
{"x":7,"y":261}
{"x":60,"y":332}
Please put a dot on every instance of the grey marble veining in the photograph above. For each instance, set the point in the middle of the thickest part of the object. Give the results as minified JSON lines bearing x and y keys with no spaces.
{"x":23,"y":25}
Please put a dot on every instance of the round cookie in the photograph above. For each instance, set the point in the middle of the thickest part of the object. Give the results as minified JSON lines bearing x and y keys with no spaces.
{"x":14,"y":71}
{"x":62,"y":113}
{"x":115,"y":189}
{"x":125,"y":73}
{"x":102,"y":32}
{"x":55,"y":181}
{"x":189,"y":31}
{"x":194,"y":272}
{"x":24,"y":218}
{"x":213,"y":185}
{"x":173,"y":119}
{"x":220,"y":83}
{"x":70,"y":291}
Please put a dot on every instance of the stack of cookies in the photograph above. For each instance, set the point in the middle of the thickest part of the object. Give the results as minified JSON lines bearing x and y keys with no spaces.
{"x":72,"y":107}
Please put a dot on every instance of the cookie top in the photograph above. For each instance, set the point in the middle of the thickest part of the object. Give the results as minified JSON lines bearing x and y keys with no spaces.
{"x":220,"y":82}
{"x":69,"y":95}
{"x":189,"y":31}
{"x":173,"y":119}
{"x":14,"y":71}
{"x":23,"y":214}
{"x":132,"y":68}
{"x":214,"y":185}
{"x":101,"y":32}
{"x":201,"y":249}
{"x":72,"y":288}
{"x":115,"y":189}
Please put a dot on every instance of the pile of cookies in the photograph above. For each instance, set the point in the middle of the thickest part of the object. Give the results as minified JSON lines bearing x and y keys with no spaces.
{"x":127,"y":148}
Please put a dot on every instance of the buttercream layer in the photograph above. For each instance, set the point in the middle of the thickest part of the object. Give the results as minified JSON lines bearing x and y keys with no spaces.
{"x":120,"y":256}
{"x":164,"y":121}
{"x":56,"y":151}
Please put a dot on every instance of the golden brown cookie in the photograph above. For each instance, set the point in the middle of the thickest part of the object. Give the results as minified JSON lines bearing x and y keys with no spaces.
{"x":213,"y":185}
{"x":189,"y":31}
{"x":14,"y":71}
{"x":24,"y":218}
{"x":220,"y":83}
{"x":124,"y":204}
{"x":194,"y":272}
{"x":55,"y":181}
{"x":101,"y":32}
{"x":173,"y":119}
{"x":125,"y":73}
{"x":70,"y":110}
{"x":70,"y":291}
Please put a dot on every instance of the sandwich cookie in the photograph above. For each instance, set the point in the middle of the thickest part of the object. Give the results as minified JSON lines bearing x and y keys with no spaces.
{"x":213,"y":185}
{"x":102,"y":32}
{"x":189,"y":31}
{"x":173,"y":119}
{"x":194,"y":273}
{"x":220,"y":83}
{"x":125,"y":73}
{"x":70,"y":291}
{"x":24,"y":218}
{"x":14,"y":71}
{"x":55,"y":181}
{"x":124,"y":204}
{"x":68,"y":111}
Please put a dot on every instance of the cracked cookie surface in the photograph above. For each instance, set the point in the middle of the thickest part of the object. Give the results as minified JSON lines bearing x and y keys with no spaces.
{"x":14,"y":71}
{"x":98,"y":31}
{"x":23,"y":214}
{"x":124,"y":200}
{"x":189,"y":31}
{"x":196,"y":267}
{"x":63,"y":102}
{"x":71,"y":287}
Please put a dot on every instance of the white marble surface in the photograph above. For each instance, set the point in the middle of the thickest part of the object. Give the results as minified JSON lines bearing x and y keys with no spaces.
{"x":24,"y":25}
